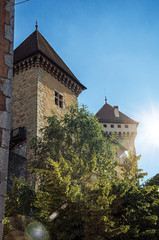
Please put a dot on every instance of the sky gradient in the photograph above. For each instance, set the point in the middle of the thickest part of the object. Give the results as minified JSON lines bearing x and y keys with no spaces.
{"x":112,"y":47}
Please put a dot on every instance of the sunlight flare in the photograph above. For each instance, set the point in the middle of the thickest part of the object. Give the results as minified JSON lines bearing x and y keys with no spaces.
{"x":149,"y":127}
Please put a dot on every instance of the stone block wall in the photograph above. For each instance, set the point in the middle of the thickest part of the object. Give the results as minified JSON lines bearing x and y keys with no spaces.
{"x":24,"y":104}
{"x":33,"y":98}
{"x":125,"y":136}
{"x":24,"y":109}
{"x":6,"y":66}
{"x":47,"y":85}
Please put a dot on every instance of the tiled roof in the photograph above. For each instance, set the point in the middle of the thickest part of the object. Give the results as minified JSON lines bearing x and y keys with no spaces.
{"x":106,"y":115}
{"x":36,"y":43}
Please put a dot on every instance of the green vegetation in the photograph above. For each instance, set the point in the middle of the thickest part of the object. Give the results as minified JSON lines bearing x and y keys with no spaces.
{"x":80,"y":195}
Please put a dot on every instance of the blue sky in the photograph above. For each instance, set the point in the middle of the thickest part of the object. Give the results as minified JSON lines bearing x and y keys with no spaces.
{"x":112,"y":46}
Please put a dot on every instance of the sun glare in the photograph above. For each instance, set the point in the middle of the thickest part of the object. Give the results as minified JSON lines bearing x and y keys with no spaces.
{"x":149,"y":122}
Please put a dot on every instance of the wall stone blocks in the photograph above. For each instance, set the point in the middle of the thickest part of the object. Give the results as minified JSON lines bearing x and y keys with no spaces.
{"x":2,"y":205}
{"x":5,"y":87}
{"x":9,"y":60}
{"x":6,"y":66}
{"x":8,"y":104}
{"x":35,"y":100}
{"x":2,"y":177}
{"x":2,"y":101}
{"x":5,"y":120}
{"x":0,"y":137}
{"x":1,"y":226}
{"x":4,"y":160}
{"x":9,"y":32}
{"x":5,"y":138}
{"x":3,"y":187}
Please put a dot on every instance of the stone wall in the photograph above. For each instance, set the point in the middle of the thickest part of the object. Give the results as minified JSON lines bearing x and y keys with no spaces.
{"x":125,"y":135}
{"x":24,"y":103}
{"x":6,"y":66}
{"x":33,"y":98}
{"x":47,"y":85}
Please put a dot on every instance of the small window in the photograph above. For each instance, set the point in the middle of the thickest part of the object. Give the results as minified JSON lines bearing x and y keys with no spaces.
{"x":105,"y":125}
{"x":60,"y":104}
{"x":119,"y":126}
{"x":58,"y":99}
{"x":112,"y":126}
{"x":126,"y":126}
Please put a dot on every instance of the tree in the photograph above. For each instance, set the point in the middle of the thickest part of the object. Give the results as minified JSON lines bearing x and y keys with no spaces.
{"x":75,"y":164}
{"x":136,"y":206}
{"x":19,"y":208}
{"x":80,"y":195}
{"x":154,"y":181}
{"x":17,"y":200}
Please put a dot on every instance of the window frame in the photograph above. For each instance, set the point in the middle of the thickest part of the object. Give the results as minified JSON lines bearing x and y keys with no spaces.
{"x":58,"y":99}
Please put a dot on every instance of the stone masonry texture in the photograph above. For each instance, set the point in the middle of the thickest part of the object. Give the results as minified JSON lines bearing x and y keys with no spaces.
{"x":6,"y":66}
{"x":35,"y":100}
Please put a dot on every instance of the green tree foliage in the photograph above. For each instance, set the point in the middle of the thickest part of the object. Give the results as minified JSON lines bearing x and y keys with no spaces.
{"x":75,"y":165}
{"x":80,"y":195}
{"x":136,"y":206}
{"x":153,"y":181}
{"x":20,"y":199}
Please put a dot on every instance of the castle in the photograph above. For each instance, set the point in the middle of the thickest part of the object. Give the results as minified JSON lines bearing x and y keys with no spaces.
{"x":121,"y":126}
{"x":42,"y":82}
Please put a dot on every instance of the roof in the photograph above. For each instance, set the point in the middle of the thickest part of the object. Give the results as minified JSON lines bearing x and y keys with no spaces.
{"x":36,"y":43}
{"x":106,"y":115}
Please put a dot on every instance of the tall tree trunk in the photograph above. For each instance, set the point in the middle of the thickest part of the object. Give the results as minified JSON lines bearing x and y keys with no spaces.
{"x":6,"y":68}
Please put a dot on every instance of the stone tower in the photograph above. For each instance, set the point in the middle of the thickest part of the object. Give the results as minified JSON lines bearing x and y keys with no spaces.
{"x":117,"y":123}
{"x":42,"y":83}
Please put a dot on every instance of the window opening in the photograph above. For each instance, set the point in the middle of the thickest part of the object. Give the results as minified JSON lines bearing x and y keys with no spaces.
{"x":58,"y":99}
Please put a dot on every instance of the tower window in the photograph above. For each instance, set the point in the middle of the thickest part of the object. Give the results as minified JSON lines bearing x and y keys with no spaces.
{"x":112,"y":126}
{"x":119,"y":126}
{"x":126,"y":126}
{"x":105,"y":125}
{"x":58,"y":99}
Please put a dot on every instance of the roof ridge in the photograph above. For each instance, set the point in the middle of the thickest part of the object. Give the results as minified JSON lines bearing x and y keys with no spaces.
{"x":36,"y":43}
{"x":106,"y":114}
{"x":37,"y":38}
{"x":52,"y":49}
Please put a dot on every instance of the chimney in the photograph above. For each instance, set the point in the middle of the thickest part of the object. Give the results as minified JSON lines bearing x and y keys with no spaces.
{"x":116,"y":111}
